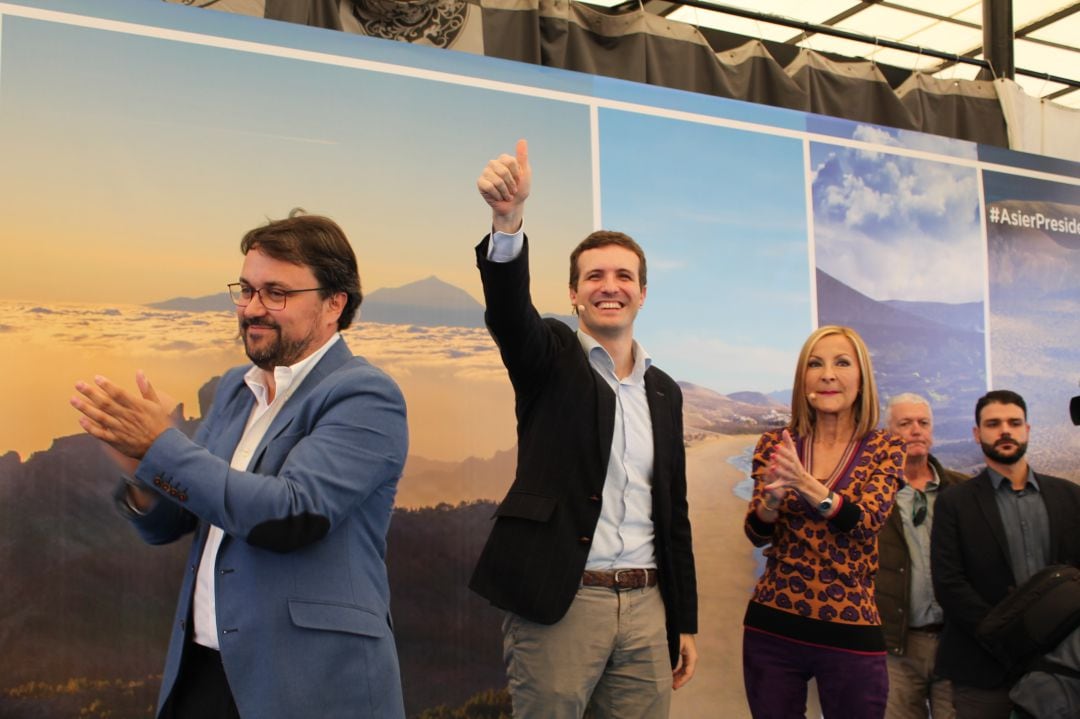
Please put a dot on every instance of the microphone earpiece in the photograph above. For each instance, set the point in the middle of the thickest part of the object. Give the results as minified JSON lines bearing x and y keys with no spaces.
{"x":580,"y":309}
{"x":812,"y":396}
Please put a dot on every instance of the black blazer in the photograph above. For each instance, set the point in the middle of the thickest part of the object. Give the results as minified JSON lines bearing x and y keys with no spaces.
{"x":534,"y":558}
{"x":969,"y":558}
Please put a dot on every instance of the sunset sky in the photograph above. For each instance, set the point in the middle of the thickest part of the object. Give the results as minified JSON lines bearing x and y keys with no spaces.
{"x":133,"y":165}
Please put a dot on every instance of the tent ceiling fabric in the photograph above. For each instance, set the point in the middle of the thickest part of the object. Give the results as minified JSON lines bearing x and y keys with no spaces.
{"x":1046,"y":33}
{"x":798,"y":68}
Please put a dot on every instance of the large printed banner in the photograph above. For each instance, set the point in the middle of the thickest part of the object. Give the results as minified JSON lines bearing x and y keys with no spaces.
{"x":140,"y":141}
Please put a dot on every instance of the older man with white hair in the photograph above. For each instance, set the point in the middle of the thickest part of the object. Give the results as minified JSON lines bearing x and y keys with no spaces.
{"x":910,"y":616}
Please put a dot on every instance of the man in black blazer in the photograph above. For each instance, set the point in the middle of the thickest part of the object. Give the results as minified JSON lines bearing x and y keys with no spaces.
{"x":990,"y":535}
{"x":590,"y":553}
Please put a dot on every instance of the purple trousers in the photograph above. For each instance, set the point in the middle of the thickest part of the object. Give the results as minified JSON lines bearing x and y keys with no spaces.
{"x":851,"y":685}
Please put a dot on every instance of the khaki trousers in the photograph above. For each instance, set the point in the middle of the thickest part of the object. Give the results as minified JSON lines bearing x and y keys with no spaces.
{"x":914,"y":691}
{"x":609,"y":652}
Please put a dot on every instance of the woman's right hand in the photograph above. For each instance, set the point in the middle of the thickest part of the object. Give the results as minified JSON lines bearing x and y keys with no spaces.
{"x":772,"y":494}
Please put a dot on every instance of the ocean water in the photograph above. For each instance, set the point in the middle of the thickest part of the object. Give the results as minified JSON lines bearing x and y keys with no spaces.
{"x":743,"y":461}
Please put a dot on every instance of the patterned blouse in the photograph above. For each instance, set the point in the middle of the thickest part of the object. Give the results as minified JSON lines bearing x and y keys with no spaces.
{"x":818,"y":585}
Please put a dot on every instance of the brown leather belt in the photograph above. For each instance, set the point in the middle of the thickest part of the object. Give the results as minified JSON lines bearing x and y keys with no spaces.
{"x":620,"y":579}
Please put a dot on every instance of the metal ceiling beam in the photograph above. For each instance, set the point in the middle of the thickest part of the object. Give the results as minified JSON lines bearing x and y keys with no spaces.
{"x":1048,"y":20}
{"x":998,"y":40}
{"x":810,"y":27}
{"x":949,"y":58}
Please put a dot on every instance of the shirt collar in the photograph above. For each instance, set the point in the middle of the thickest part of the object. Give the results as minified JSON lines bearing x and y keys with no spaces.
{"x":286,"y":378}
{"x":934,"y":482}
{"x":998,"y":480}
{"x":599,"y":357}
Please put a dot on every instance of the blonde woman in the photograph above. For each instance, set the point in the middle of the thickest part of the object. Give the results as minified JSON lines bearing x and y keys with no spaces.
{"x":823,"y":488}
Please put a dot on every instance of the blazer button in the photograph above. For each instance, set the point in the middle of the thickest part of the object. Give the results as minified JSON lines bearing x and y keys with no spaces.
{"x":584,"y":540}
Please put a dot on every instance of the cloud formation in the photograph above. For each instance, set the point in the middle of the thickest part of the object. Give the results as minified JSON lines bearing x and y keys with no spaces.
{"x":896,"y":227}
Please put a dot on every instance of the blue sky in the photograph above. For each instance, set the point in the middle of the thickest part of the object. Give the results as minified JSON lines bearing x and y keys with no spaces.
{"x":721,"y":215}
{"x":896,"y":227}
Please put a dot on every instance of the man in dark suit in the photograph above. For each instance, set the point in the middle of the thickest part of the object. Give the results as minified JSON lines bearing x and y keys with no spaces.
{"x":990,"y":535}
{"x":288,"y":488}
{"x":591,"y":552}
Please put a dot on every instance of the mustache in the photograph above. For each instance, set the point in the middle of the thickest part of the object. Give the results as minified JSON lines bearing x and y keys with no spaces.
{"x":257,"y":322}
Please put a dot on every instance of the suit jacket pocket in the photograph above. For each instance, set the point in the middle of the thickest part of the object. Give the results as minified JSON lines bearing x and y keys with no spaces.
{"x":338,"y":618}
{"x":527,"y":505}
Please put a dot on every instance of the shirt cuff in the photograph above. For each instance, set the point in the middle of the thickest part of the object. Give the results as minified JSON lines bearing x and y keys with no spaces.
{"x":506,"y":247}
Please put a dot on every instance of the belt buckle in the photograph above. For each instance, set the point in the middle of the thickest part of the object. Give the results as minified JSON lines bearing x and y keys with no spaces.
{"x":628,"y":573}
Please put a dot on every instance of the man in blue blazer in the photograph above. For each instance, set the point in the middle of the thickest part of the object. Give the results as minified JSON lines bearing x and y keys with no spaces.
{"x":288,"y":487}
{"x":591,"y":553}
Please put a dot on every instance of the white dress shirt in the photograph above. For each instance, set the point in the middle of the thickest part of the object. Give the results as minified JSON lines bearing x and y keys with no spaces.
{"x":286,"y":380}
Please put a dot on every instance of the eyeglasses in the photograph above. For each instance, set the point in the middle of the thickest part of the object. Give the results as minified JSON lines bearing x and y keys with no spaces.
{"x":272,"y":298}
{"x":918,"y":508}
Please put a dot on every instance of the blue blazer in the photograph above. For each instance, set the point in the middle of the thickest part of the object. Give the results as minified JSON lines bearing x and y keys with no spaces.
{"x":301,"y":586}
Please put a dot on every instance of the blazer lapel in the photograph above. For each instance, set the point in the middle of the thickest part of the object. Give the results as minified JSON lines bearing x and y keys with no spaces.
{"x":605,"y":422}
{"x":334,"y":358}
{"x":223,"y":443}
{"x":1059,"y":524}
{"x":662,"y":430}
{"x":984,"y":499}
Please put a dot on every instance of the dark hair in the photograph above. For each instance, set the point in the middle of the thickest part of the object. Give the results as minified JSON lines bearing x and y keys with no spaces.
{"x":1000,"y":396}
{"x":603,"y":238}
{"x":316,"y":242}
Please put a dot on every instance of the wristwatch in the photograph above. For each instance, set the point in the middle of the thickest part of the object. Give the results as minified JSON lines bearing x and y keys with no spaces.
{"x":825,"y":506}
{"x":120,"y":495}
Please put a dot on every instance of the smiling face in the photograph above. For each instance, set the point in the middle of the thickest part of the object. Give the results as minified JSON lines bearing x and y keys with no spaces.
{"x":831,"y":378}
{"x":914,"y":424}
{"x":608,"y":294}
{"x":1002,"y":433}
{"x":284,"y":337}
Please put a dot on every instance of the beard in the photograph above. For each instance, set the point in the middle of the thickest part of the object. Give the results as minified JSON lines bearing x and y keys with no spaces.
{"x":990,"y":450}
{"x":276,"y":352}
